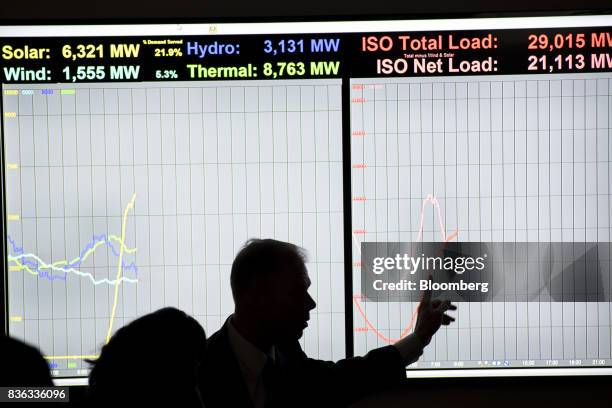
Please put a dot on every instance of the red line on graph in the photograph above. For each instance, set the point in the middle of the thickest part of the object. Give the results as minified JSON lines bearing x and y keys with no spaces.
{"x":433,"y":201}
{"x":386,"y":339}
{"x":430,"y":199}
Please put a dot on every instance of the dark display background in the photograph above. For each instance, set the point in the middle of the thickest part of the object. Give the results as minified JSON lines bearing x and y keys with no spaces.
{"x":245,"y":9}
{"x":511,"y":53}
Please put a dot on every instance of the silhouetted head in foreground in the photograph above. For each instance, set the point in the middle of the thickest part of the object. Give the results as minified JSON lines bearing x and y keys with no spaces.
{"x":152,"y":360}
{"x":270,"y":288}
{"x":22,"y":365}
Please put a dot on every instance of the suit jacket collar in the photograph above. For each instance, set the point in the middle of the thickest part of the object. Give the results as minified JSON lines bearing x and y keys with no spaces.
{"x":223,"y":372}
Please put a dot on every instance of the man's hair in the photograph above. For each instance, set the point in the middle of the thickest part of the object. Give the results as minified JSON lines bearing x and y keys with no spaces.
{"x":259,"y":259}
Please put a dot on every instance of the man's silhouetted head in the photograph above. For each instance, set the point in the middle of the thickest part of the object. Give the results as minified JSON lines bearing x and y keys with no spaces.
{"x":270,"y":284}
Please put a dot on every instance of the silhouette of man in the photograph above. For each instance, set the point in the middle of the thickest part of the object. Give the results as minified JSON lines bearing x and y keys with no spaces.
{"x":255,"y":359}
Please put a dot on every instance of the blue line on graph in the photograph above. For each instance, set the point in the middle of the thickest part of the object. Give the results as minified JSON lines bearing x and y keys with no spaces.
{"x":17,"y":250}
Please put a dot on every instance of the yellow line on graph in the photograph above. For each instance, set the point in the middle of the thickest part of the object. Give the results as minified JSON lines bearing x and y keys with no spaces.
{"x":91,"y":251}
{"x":126,"y":249}
{"x":21,"y":266}
{"x":119,"y":267}
{"x":91,"y":356}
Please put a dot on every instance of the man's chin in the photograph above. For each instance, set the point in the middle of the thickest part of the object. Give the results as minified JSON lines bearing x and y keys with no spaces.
{"x":298,"y":334}
{"x":293,"y":336}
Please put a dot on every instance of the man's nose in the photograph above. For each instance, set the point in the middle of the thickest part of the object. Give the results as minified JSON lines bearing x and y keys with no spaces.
{"x":311,"y":304}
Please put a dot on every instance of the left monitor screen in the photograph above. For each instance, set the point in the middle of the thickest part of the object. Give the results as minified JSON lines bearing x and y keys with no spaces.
{"x":124,"y":198}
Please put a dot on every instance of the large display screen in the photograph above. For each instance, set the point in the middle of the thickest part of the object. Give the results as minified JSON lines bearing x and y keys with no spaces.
{"x":138,"y":159}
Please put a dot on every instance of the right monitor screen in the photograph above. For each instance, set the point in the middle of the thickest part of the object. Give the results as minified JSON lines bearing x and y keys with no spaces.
{"x":512,"y":170}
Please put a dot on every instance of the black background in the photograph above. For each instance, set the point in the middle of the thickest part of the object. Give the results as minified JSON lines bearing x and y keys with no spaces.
{"x":511,"y":54}
{"x":249,"y":9}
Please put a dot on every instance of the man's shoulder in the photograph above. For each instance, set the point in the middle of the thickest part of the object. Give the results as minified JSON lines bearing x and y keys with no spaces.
{"x":220,"y":360}
{"x":218,"y":345}
{"x":219,"y":336}
{"x":221,"y":381}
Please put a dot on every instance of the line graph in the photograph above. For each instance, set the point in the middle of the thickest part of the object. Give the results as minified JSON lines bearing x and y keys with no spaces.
{"x":500,"y":159}
{"x":213,"y":164}
{"x":37,"y":266}
{"x":97,"y":242}
{"x":432,"y":201}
